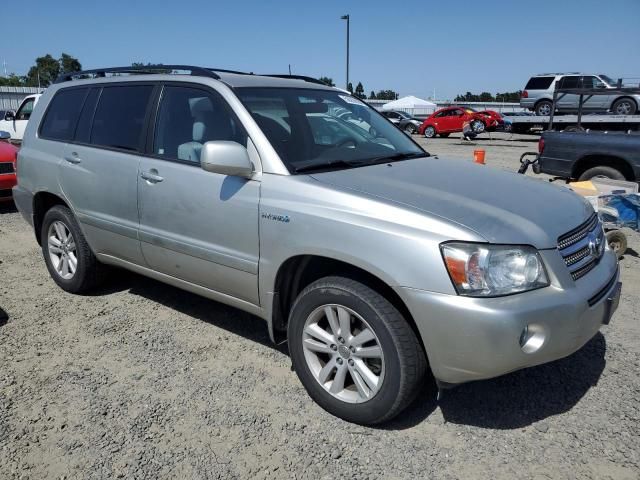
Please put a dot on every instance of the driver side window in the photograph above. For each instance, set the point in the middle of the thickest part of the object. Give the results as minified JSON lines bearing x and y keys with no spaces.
{"x":25,"y":110}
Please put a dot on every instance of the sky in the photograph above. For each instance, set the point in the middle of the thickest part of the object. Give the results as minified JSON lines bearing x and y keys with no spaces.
{"x":414,"y":48}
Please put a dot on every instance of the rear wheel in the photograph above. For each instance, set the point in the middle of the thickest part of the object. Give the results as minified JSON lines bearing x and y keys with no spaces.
{"x":543,"y":107}
{"x":603,"y":172}
{"x":429,"y":132}
{"x":69,"y":259}
{"x":355,"y":354}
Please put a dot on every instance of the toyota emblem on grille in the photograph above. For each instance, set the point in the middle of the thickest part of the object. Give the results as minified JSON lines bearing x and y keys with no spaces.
{"x":594,"y":244}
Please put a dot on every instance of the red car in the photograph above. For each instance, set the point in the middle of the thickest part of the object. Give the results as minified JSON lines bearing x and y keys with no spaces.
{"x":450,"y":120}
{"x":8,"y":154}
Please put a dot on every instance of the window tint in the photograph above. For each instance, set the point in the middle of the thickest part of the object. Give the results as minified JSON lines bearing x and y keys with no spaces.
{"x":190,"y":117}
{"x":25,"y":110}
{"x":570,"y":82}
{"x":119,"y":118}
{"x":442,"y":114}
{"x":83,"y":130}
{"x":62,"y":114}
{"x":539,"y":83}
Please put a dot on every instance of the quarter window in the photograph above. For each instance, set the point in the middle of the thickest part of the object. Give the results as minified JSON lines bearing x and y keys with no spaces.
{"x":119,"y":118}
{"x":62,"y":114}
{"x":190,"y":117}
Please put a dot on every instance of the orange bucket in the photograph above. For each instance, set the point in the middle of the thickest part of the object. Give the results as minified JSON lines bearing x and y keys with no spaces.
{"x":478,"y":156}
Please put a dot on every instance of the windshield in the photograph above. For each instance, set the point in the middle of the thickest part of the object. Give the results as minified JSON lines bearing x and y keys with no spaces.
{"x":326,"y":129}
{"x":607,"y":80}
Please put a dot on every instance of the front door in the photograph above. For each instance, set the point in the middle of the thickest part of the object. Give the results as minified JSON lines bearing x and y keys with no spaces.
{"x":198,"y":226}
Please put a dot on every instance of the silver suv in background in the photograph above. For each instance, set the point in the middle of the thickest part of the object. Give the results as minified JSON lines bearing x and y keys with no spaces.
{"x":375,"y":261}
{"x":538,"y":95}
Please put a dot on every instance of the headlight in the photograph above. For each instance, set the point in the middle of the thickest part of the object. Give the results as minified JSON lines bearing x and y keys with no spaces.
{"x":482,"y":270}
{"x":416,"y":122}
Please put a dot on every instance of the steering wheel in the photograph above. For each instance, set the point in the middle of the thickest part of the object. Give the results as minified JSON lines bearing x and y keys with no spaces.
{"x":346,"y":141}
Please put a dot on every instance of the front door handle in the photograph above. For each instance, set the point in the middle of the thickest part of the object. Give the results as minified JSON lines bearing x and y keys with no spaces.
{"x":73,"y":158}
{"x":152,"y":176}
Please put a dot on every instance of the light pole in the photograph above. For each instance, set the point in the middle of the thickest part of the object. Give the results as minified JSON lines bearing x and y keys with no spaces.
{"x":346,"y":17}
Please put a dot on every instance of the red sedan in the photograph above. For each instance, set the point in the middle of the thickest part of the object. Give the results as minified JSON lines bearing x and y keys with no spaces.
{"x":450,"y":120}
{"x":8,"y":155}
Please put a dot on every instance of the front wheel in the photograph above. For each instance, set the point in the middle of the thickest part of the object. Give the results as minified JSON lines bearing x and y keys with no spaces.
{"x":410,"y":129}
{"x":543,"y":108}
{"x":617,"y":240}
{"x":478,"y":126}
{"x":355,"y":354}
{"x":624,"y":106}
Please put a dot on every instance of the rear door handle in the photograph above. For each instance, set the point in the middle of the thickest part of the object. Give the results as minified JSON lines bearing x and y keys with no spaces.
{"x":73,"y":158}
{"x":152,"y":176}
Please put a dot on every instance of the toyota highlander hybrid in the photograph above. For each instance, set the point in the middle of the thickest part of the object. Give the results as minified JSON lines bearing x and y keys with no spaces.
{"x":379,"y":264}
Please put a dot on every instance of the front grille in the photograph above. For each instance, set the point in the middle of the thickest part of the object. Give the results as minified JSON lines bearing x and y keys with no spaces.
{"x":6,"y":167}
{"x":582,"y":247}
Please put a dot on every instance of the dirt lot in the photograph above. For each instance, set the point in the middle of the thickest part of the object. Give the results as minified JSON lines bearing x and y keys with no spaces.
{"x":141,"y":380}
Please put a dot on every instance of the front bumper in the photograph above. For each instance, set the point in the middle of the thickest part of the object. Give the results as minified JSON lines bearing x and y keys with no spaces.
{"x":477,"y":338}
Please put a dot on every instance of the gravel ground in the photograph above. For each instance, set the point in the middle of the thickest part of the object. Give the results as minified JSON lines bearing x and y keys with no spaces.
{"x":141,"y":380}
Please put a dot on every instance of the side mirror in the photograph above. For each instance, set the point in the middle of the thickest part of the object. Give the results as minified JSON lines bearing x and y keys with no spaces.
{"x":226,"y":158}
{"x":4,"y":135}
{"x":10,"y":116}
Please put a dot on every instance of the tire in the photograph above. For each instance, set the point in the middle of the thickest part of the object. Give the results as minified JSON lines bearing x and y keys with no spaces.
{"x":624,"y":106}
{"x":410,"y":129}
{"x":59,"y":223}
{"x":429,"y":132}
{"x":444,"y":135}
{"x":617,"y":240}
{"x":606,"y":172}
{"x":543,"y":108}
{"x":478,"y":126}
{"x":400,"y":367}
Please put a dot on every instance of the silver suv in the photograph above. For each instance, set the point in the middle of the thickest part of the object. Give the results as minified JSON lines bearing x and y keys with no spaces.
{"x":377,"y":262}
{"x":538,"y":95}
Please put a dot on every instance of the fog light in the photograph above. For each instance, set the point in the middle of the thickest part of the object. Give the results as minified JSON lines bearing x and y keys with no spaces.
{"x":532,"y":338}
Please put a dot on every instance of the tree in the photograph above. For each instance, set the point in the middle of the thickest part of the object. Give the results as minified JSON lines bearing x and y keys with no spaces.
{"x":44,"y":72}
{"x":350,"y":87}
{"x":12,"y":81}
{"x":386,"y":95}
{"x":360,"y":91}
{"x":69,"y":64}
{"x":372,"y":95}
{"x":328,"y":81}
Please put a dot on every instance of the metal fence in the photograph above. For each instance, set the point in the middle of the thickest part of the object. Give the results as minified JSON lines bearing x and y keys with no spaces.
{"x":11,"y":97}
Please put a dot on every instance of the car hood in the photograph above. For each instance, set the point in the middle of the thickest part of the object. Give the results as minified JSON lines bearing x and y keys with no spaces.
{"x":501,"y":207}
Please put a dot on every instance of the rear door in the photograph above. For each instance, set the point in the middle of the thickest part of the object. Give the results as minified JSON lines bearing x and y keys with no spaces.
{"x":198,"y":226}
{"x":100,"y":168}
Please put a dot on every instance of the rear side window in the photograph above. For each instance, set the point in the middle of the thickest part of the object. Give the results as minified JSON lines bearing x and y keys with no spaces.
{"x":119,"y":118}
{"x":539,"y":83}
{"x":570,"y":82}
{"x":62,"y":115}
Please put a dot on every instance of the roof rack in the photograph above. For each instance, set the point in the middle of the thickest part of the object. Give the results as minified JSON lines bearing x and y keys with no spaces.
{"x":101,"y":72}
{"x":197,"y":71}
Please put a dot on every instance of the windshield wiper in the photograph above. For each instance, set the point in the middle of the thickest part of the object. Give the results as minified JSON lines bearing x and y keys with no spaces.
{"x":397,"y":157}
{"x":332,"y":164}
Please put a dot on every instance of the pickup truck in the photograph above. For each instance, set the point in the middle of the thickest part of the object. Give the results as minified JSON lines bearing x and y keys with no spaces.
{"x":587,"y":154}
{"x":15,"y":123}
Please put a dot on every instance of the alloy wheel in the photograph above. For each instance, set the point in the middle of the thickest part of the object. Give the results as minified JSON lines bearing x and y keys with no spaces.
{"x":343,"y":353}
{"x":62,"y":250}
{"x":623,"y":108}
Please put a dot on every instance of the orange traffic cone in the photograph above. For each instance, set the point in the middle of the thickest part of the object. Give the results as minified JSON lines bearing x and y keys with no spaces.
{"x":478,"y":156}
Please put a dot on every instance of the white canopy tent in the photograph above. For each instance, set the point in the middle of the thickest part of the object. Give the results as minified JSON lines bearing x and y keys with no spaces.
{"x":412,"y":105}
